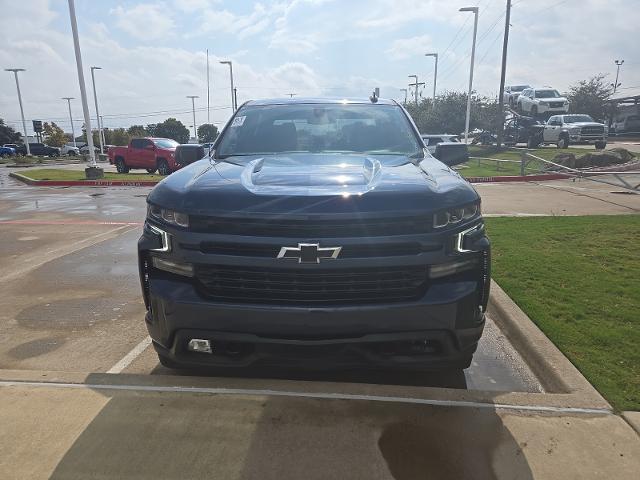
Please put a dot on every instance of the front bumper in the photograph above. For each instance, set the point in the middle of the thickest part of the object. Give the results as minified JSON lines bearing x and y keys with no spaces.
{"x":439,"y":330}
{"x":588,"y":139}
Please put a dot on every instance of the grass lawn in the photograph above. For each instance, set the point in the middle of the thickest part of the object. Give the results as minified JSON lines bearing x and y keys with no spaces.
{"x":578,"y":279}
{"x":488,"y":168}
{"x":59,"y":174}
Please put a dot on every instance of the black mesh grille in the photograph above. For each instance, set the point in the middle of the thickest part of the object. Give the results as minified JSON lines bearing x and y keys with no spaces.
{"x":355,"y":227}
{"x":592,"y":130}
{"x":312,"y":286}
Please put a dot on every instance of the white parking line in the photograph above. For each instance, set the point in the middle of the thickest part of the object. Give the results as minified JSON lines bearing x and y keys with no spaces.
{"x":131,"y":356}
{"x":319,"y":395}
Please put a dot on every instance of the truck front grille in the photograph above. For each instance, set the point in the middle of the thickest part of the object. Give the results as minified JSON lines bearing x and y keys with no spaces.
{"x":592,"y":130}
{"x":353,"y":227}
{"x":312,"y":286}
{"x":556,"y":104}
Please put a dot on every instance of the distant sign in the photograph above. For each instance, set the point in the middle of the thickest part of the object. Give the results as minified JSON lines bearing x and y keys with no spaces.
{"x":37,"y":126}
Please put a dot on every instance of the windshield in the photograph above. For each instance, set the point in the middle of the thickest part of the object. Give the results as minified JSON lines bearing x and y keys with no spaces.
{"x":577,"y":118}
{"x":318,"y":128}
{"x":519,"y":88}
{"x":547,"y":94}
{"x":166,"y":143}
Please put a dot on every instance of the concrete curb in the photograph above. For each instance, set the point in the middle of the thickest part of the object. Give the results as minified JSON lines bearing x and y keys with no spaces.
{"x":633,"y":419}
{"x":554,"y":371}
{"x":83,"y":183}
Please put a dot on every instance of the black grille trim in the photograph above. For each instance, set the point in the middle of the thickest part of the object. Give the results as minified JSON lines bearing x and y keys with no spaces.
{"x":312,"y":286}
{"x":354,"y":227}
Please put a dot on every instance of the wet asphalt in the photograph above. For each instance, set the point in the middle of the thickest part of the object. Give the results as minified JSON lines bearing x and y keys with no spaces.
{"x":71,"y":299}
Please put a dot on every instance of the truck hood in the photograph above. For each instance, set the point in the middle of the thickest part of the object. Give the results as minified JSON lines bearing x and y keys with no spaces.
{"x":585,"y":124}
{"x":308,"y":183}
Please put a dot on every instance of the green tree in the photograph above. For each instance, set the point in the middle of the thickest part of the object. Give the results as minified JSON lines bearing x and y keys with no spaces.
{"x":170,"y":128}
{"x":53,"y":134}
{"x":590,"y":97}
{"x":448,"y":113}
{"x":119,"y":136}
{"x":8,"y":134}
{"x":137,"y":131}
{"x":207,"y":132}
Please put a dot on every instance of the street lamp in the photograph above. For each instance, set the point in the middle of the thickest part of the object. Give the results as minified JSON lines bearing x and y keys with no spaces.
{"x":193,"y":107}
{"x":73,"y":131}
{"x":95,"y":98}
{"x":93,"y":171}
{"x":24,"y":124}
{"x":435,"y":73}
{"x":616,"y":85}
{"x":233,"y":103}
{"x":473,"y":54}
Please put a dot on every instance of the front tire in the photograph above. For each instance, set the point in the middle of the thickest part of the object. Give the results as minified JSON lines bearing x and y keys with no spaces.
{"x":151,"y":171}
{"x":121,"y":167}
{"x":601,"y":145}
{"x":534,"y":111}
{"x":163,"y":167}
{"x":563,"y":142}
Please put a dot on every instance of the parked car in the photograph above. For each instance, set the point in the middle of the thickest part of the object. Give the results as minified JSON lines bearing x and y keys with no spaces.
{"x":40,"y":149}
{"x":84,"y":149}
{"x":539,"y":101}
{"x":431,"y":140}
{"x":69,"y":149}
{"x":630,"y":123}
{"x":321,"y":231}
{"x":150,"y":154}
{"x":7,"y":151}
{"x":511,"y":94}
{"x":564,"y":130}
{"x":20,"y":149}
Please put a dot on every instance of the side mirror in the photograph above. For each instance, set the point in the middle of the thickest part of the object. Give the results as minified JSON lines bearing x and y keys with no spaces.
{"x":189,"y":153}
{"x":452,"y":153}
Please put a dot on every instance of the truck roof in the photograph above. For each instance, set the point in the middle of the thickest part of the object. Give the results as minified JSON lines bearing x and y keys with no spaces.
{"x":320,"y":101}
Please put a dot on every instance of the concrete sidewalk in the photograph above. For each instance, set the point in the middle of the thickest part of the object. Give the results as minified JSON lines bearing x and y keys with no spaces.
{"x":83,"y":433}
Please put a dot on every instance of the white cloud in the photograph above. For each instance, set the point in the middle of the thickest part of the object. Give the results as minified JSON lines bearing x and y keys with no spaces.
{"x":145,"y":21}
{"x":410,"y":47}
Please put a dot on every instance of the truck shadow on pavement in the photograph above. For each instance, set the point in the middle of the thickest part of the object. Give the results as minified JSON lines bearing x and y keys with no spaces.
{"x":169,"y":435}
{"x":442,"y":379}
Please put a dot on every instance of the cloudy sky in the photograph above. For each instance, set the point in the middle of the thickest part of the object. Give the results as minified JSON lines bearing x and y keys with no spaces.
{"x":152,"y":53}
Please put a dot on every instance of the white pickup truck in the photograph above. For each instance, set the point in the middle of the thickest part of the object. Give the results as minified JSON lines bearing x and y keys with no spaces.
{"x":565,"y":129}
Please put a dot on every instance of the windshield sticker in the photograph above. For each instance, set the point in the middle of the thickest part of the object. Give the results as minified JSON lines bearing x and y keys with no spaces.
{"x":238,"y":121}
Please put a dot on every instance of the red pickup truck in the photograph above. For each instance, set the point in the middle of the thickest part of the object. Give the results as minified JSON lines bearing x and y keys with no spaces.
{"x":149,"y":153}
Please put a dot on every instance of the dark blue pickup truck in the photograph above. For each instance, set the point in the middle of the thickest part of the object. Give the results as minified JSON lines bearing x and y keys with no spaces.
{"x":317,"y":233}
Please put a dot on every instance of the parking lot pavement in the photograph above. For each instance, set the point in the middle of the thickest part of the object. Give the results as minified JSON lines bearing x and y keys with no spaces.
{"x":559,"y":197}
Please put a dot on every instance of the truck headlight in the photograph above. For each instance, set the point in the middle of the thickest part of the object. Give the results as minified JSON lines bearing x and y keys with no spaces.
{"x":574,"y":131}
{"x":168,"y":216}
{"x":454,"y":216}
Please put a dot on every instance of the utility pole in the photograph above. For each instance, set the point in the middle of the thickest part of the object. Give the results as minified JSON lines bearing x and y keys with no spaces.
{"x":416,"y":84}
{"x":233,"y":102}
{"x":95,"y":99}
{"x":73,"y":130}
{"x":193,"y":107}
{"x":24,"y":124}
{"x":616,"y":85}
{"x":83,"y":90}
{"x":473,"y":54}
{"x":503,"y":73}
{"x":208,"y":89}
{"x":435,"y":73}
{"x":405,"y":94}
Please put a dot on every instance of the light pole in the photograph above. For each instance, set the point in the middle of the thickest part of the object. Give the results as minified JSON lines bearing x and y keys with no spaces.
{"x":435,"y":73}
{"x":24,"y":124}
{"x":616,"y":85}
{"x":473,"y":54}
{"x":208,"y":88}
{"x":83,"y":91}
{"x":95,"y":99}
{"x":73,"y":130}
{"x":193,"y":107}
{"x":233,"y":102}
{"x":102,"y":130}
{"x":405,"y":94}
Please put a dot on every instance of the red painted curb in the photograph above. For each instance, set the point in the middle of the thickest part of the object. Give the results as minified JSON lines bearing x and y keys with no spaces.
{"x":83,"y":183}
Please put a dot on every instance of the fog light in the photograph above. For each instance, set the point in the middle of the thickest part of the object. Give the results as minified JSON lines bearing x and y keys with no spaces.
{"x":199,"y":345}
